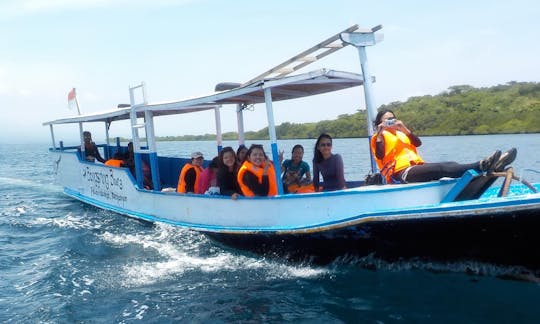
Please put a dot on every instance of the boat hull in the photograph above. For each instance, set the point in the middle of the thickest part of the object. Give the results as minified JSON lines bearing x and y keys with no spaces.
{"x":508,"y":237}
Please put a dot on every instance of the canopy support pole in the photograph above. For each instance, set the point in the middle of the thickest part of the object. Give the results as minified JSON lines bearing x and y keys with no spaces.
{"x":219,"y":136}
{"x":240,"y":123}
{"x":106,"y":150}
{"x":360,"y":40}
{"x":152,"y":149}
{"x":273,"y":138}
{"x":52,"y":136}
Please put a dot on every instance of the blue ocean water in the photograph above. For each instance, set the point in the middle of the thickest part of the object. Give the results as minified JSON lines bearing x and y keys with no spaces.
{"x":62,"y":261}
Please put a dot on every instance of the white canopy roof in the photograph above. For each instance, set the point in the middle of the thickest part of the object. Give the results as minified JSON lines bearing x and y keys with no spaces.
{"x":285,"y":88}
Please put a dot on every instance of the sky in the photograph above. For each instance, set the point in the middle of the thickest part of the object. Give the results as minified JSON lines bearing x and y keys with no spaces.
{"x":183,"y":48}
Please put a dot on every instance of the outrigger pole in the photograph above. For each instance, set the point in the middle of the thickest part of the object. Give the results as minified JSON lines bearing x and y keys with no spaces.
{"x":361,"y":39}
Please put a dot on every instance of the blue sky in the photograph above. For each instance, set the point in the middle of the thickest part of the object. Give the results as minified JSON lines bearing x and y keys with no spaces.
{"x":183,"y":48}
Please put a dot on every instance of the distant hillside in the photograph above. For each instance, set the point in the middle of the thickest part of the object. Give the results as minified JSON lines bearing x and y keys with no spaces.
{"x":461,"y":110}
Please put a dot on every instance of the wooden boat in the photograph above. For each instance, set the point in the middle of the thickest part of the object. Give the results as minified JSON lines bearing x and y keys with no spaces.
{"x":465,"y":218}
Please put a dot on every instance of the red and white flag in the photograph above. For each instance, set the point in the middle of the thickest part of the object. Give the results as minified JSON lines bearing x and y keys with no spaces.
{"x":71,"y":95}
{"x":72,"y":100}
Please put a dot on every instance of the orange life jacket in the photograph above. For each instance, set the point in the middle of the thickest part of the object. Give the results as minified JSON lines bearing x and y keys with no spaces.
{"x":182,"y":179}
{"x":399,"y":153}
{"x":296,"y":188}
{"x":114,"y":163}
{"x":258,"y":172}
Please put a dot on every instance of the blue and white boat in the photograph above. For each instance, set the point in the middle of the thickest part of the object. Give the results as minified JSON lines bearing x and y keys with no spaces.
{"x":465,"y":218}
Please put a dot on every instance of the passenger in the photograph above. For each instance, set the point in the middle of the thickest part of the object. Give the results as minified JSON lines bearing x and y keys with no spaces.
{"x":227,"y":173}
{"x":257,"y":176}
{"x":295,"y":171}
{"x":208,"y":176}
{"x":91,"y":150}
{"x":328,"y":164}
{"x":394,"y":147}
{"x":129,"y":162}
{"x":241,"y":154}
{"x":190,"y":174}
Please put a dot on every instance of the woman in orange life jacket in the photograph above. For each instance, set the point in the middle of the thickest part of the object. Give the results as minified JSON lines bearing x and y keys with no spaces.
{"x":256,"y":176}
{"x":394,"y":147}
{"x":188,"y":182}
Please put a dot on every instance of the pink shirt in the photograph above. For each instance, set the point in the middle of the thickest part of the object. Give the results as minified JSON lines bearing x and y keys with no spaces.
{"x":208,"y":179}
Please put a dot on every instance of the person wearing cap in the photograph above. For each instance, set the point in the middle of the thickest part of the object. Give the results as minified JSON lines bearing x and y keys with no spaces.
{"x":188,"y":182}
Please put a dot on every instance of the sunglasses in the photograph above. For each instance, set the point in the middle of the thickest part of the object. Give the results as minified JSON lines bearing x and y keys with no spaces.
{"x":325,"y":144}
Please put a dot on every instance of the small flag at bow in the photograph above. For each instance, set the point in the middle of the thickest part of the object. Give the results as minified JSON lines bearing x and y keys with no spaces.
{"x":71,"y":95}
{"x":72,"y":100}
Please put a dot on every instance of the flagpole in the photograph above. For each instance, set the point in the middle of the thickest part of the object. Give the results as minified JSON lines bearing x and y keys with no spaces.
{"x":72,"y":96}
{"x":73,"y":93}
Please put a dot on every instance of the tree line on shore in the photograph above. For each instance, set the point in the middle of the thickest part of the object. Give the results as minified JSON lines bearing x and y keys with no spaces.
{"x":461,"y":110}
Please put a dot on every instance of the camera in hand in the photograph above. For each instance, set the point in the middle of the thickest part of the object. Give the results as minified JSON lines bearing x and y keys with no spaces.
{"x":389,"y":122}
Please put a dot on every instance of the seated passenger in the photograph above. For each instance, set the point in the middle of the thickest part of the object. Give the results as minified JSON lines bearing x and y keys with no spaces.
{"x":257,"y":176}
{"x":129,"y":162}
{"x":328,"y":164}
{"x":296,"y":175}
{"x":241,"y":154}
{"x":227,"y":173}
{"x":91,"y":151}
{"x":208,"y":176}
{"x":394,"y":147}
{"x":189,"y":179}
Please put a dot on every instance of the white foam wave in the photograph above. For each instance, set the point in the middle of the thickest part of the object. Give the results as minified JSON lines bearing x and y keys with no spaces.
{"x":69,"y":221}
{"x":179,"y":251}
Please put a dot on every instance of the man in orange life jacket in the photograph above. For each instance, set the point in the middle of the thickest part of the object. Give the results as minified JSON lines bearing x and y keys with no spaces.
{"x":190,"y":174}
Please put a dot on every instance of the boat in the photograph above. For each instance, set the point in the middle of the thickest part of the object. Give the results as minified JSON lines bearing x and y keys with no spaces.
{"x":468,"y":218}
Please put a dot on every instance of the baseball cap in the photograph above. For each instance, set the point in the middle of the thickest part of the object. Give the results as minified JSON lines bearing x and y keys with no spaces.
{"x":195,"y":155}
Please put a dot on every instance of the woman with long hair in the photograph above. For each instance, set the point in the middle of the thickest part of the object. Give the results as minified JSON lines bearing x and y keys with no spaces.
{"x":227,"y":172}
{"x":329,"y":165}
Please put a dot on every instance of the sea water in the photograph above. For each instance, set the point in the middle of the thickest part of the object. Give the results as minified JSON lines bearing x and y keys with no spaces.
{"x":62,"y":261}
